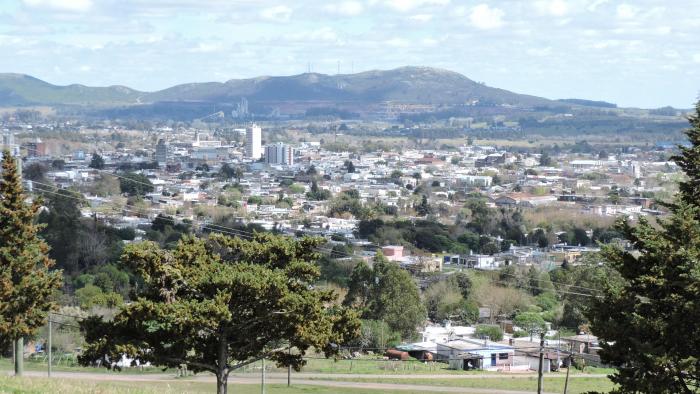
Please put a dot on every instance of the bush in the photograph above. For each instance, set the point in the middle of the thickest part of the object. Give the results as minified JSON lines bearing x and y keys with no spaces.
{"x":493,"y":333}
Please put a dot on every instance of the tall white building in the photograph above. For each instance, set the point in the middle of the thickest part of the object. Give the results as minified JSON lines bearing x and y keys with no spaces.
{"x":279,"y":153}
{"x":253,"y":142}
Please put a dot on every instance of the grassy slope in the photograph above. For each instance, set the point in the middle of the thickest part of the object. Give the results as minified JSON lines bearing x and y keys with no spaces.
{"x":23,"y":89}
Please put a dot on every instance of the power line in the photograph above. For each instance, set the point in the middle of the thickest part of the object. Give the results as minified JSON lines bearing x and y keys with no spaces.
{"x":66,"y":315}
{"x":553,"y":282}
{"x":555,"y":290}
{"x":203,"y":225}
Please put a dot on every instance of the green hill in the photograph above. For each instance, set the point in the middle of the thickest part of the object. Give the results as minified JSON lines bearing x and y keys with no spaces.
{"x":20,"y":89}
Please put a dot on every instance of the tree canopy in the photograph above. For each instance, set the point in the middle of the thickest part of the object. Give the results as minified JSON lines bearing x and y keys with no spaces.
{"x":135,"y":184}
{"x":97,"y":162}
{"x":26,"y":278}
{"x":220,"y":303}
{"x":387,"y":293}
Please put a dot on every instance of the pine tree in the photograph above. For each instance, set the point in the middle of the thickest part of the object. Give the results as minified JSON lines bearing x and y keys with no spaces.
{"x":689,"y":161}
{"x":97,"y":162}
{"x":648,"y":321}
{"x":26,"y":279}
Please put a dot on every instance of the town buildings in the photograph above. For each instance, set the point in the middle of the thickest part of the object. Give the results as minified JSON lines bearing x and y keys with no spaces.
{"x":280,"y":154}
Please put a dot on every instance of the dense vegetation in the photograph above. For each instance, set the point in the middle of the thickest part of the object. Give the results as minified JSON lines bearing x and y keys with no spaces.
{"x":647,"y":321}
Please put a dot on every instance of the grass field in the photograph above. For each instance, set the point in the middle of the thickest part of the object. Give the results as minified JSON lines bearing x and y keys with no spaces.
{"x":70,"y":386}
{"x":314,"y":365}
{"x":29,"y":365}
{"x":577,"y":384}
{"x":102,"y":381}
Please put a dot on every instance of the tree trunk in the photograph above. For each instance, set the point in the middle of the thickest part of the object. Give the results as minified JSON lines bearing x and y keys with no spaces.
{"x":221,"y":383}
{"x":19,"y":356}
{"x":222,"y":369}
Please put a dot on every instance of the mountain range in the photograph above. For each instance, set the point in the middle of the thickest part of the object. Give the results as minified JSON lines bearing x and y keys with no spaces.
{"x":414,"y":85}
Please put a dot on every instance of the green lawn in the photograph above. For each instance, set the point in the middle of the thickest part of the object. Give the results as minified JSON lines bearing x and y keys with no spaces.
{"x":33,"y":365}
{"x":578,"y":384}
{"x":69,"y":386}
{"x":373,"y":366}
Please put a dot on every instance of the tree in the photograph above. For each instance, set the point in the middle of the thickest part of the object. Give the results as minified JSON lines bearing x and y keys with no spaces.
{"x":238,"y":173}
{"x":221,"y":303}
{"x":531,"y":322}
{"x":227,"y":172}
{"x":318,"y":194}
{"x":689,"y":161}
{"x":35,"y":172}
{"x":135,"y":184}
{"x":545,"y":160}
{"x":60,"y":225}
{"x":58,"y":164}
{"x":349,"y":166}
{"x":424,"y":208}
{"x":647,"y":323}
{"x":97,"y":162}
{"x":26,"y":279}
{"x":386,"y":292}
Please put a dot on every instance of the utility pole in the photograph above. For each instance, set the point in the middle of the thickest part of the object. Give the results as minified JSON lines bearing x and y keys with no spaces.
{"x":49,"y":346}
{"x":262,"y":383}
{"x":558,"y":346}
{"x":568,"y":368}
{"x":540,"y":372}
{"x":289,"y":368}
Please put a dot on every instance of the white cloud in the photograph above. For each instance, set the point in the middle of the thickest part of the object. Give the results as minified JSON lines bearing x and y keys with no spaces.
{"x":408,"y":5}
{"x":421,"y":17}
{"x":552,"y":7}
{"x":540,"y":52}
{"x":207,"y":47}
{"x":398,"y":43}
{"x":484,"y":17}
{"x":696,"y":58}
{"x":345,"y":8}
{"x":60,"y":5}
{"x":627,"y":11}
{"x":280,"y":13}
{"x":595,"y":4}
{"x":323,"y":34}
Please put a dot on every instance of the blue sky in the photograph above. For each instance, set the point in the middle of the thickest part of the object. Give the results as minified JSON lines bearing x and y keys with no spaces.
{"x":635,"y":53}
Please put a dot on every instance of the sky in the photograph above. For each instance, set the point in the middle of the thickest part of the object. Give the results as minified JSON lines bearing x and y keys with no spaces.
{"x":641,"y":53}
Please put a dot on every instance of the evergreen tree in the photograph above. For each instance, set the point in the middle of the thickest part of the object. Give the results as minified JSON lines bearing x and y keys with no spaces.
{"x":26,"y":279}
{"x":689,"y":161}
{"x":648,"y":322}
{"x":545,"y":159}
{"x":424,"y":207}
{"x":349,"y":166}
{"x":97,"y":162}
